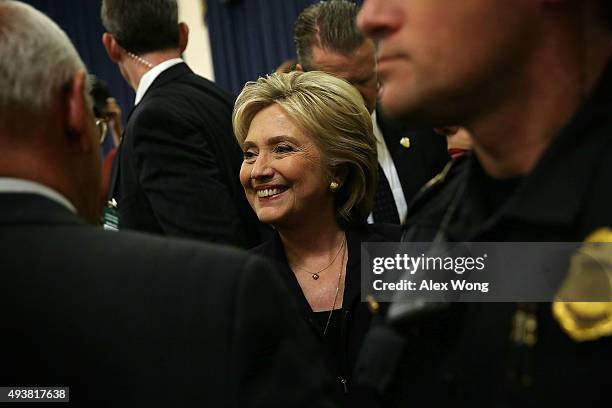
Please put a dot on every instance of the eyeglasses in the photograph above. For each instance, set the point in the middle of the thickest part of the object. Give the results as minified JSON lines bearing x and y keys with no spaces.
{"x":102,"y":127}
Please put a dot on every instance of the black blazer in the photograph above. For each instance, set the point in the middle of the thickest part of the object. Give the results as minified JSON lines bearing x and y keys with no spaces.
{"x":127,"y":319}
{"x":177,"y":168}
{"x":419,"y":163}
{"x":354,"y":315}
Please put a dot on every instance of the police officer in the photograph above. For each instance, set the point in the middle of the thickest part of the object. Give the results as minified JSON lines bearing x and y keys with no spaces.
{"x":532,"y":81}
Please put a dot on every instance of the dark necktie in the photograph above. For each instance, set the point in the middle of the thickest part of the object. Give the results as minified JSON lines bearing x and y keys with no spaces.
{"x":384,"y":209}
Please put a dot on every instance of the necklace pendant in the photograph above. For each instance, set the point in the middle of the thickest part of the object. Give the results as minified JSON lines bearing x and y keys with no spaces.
{"x":315,"y":276}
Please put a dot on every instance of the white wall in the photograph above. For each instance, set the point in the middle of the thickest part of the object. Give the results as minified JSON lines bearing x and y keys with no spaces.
{"x":197,"y":54}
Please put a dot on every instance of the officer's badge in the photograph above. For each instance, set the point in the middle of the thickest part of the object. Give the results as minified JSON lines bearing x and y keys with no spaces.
{"x":587,"y":313}
{"x":405,"y":141}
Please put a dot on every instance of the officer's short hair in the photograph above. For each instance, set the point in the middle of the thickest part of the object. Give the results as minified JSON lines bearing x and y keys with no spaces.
{"x":37,"y":62}
{"x":332,"y":112}
{"x":141,"y":26}
{"x":329,"y":25}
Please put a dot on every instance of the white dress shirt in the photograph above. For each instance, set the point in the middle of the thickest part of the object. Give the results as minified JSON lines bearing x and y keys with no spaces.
{"x":386,"y":163}
{"x":148,"y":78}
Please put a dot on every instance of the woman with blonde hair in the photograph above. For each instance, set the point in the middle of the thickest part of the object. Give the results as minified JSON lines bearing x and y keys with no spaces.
{"x":310,"y":170}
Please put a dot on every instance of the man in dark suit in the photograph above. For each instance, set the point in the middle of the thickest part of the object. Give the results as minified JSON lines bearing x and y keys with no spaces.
{"x":326,"y":39}
{"x":177,"y":167}
{"x":122,"y":318}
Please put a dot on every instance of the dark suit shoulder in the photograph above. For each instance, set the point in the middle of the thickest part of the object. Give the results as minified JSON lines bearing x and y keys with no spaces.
{"x":188,"y":99}
{"x":141,"y":244}
{"x":203,"y":269}
{"x":189,"y":85}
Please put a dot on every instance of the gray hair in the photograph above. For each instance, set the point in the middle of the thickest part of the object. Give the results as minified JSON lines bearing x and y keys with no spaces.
{"x":330,"y":25}
{"x":37,"y":60}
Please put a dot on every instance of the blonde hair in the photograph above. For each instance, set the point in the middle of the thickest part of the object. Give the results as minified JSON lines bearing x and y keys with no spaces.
{"x":333,"y":113}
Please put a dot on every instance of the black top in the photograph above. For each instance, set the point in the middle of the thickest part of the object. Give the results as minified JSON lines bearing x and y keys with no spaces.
{"x":466,"y":356}
{"x":334,"y":339}
{"x":349,"y":324}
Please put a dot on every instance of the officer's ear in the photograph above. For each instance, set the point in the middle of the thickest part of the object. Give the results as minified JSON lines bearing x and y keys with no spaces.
{"x":298,"y":67}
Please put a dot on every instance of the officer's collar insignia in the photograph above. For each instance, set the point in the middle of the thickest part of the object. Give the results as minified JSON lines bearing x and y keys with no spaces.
{"x":438,"y":178}
{"x":589,"y":277}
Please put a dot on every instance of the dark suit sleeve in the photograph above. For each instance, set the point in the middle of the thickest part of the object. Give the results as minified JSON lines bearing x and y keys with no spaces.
{"x":277,"y":361}
{"x":181,"y":179}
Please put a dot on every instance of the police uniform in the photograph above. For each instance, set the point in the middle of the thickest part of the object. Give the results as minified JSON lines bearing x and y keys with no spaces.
{"x":507,"y":354}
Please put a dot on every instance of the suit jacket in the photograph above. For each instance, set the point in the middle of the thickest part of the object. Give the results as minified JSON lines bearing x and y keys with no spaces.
{"x":128,"y":319}
{"x":354,"y":317}
{"x":416,"y":165}
{"x":177,"y":168}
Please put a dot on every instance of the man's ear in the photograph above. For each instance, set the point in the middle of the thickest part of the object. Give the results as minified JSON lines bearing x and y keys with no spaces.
{"x":298,"y":67}
{"x":112,"y":47}
{"x":78,"y":114}
{"x":183,"y":36}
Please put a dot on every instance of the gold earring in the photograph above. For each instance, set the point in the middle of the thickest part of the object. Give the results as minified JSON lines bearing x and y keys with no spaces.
{"x":333,"y":186}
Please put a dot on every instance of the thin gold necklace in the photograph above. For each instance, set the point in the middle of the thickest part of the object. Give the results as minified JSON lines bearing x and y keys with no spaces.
{"x":315,"y":275}
{"x":331,"y":312}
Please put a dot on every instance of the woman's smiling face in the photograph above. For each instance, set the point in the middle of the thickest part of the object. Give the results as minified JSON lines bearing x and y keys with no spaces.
{"x":283,"y":173}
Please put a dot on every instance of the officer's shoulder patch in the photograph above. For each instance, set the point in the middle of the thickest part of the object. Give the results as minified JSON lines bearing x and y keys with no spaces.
{"x":583,"y":305}
{"x":438,"y":178}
